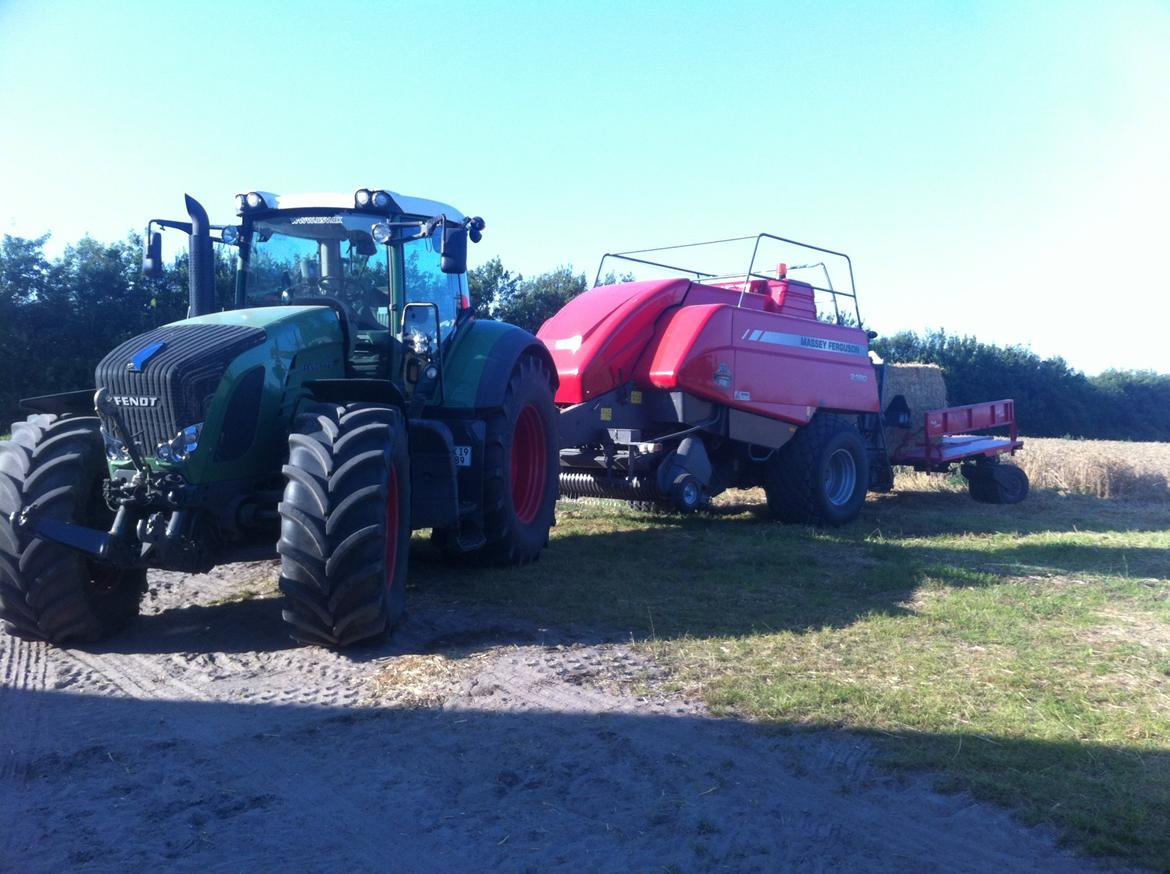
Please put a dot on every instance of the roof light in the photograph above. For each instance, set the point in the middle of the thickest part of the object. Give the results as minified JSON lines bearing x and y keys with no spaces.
{"x":381,"y":200}
{"x":239,"y":203}
{"x":254,"y":200}
{"x":361,"y":197}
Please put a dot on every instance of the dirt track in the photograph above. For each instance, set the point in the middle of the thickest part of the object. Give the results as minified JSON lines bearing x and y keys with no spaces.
{"x":204,"y":739}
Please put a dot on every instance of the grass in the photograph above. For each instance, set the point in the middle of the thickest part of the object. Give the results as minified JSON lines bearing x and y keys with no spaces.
{"x":1020,"y":653}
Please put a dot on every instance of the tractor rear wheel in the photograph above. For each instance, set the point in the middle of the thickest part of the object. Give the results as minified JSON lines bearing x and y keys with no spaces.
{"x":821,"y":476}
{"x":48,"y":591}
{"x":520,"y":469}
{"x":345,"y":523}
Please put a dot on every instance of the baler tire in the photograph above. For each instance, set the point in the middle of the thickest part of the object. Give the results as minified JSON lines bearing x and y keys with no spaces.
{"x":345,"y":523}
{"x":47,"y":591}
{"x":520,"y":502}
{"x":798,"y":478}
{"x":686,"y":493}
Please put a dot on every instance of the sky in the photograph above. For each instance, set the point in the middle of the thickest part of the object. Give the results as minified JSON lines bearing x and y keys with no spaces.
{"x":999,"y":169}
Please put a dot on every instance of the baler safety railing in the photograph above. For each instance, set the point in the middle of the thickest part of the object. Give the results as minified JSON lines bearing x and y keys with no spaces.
{"x":751,"y":274}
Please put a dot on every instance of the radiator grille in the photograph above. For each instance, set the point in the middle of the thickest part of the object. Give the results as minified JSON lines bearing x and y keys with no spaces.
{"x":183,"y":376}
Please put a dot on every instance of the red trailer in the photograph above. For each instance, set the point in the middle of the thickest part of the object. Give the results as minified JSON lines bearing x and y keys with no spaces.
{"x":675,"y":388}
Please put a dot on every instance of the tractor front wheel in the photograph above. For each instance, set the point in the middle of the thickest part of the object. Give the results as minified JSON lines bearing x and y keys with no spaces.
{"x":345,"y":523}
{"x":821,"y":476}
{"x":48,"y":591}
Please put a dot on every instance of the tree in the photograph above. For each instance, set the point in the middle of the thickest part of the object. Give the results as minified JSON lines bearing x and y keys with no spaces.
{"x":1052,"y":399}
{"x":532,"y":301}
{"x":490,"y":283}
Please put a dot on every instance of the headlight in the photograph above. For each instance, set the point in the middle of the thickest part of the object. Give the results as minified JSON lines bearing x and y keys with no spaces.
{"x":251,"y":200}
{"x":382,"y":233}
{"x":230,"y":235}
{"x":183,"y":444}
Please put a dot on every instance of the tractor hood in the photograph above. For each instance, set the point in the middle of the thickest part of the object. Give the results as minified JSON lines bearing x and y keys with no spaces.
{"x":207,"y":394}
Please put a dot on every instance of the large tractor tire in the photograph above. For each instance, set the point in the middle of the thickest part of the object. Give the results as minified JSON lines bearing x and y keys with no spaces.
{"x":345,"y":523}
{"x":47,"y":591}
{"x":521,"y":464}
{"x":821,"y":476}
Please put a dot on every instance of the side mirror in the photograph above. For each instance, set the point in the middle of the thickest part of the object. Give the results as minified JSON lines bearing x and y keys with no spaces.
{"x":152,"y":256}
{"x":453,"y":249}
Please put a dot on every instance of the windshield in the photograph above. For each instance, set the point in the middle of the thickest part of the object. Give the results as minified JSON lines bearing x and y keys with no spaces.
{"x":299,"y":259}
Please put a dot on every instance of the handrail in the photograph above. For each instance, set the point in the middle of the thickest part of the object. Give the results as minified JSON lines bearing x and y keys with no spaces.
{"x":750,"y":274}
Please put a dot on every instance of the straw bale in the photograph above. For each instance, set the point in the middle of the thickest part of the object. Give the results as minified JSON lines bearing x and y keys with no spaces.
{"x":924,"y":389}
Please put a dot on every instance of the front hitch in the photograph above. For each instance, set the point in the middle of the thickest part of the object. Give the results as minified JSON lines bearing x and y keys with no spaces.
{"x":139,"y":537}
{"x":101,"y":545}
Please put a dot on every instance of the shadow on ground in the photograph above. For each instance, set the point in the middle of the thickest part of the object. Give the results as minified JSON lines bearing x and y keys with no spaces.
{"x":731,"y":573}
{"x":121,"y":784}
{"x":725,"y":573}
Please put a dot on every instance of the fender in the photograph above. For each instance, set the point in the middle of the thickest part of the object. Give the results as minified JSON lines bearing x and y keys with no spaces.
{"x":480,"y":363}
{"x":70,"y":403}
{"x":379,"y":391}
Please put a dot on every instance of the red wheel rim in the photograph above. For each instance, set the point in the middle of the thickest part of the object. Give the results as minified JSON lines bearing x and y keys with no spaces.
{"x":529,"y":464}
{"x":391,"y":564}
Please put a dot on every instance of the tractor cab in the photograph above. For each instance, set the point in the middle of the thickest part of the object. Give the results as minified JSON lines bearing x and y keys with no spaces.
{"x":392,"y":268}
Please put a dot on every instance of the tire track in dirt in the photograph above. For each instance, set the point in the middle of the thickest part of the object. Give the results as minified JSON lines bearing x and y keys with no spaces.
{"x":24,"y":666}
{"x":135,"y":676}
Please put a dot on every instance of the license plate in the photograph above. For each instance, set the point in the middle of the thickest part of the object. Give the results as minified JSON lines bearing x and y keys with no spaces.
{"x":462,"y":456}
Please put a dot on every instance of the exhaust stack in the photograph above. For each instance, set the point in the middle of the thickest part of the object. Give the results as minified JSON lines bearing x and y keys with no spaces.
{"x":202,"y":263}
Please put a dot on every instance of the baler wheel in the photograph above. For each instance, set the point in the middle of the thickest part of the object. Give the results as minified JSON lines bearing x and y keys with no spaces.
{"x":345,"y":523}
{"x":520,"y":471}
{"x":687,"y":493}
{"x":821,"y":476}
{"x":48,"y":591}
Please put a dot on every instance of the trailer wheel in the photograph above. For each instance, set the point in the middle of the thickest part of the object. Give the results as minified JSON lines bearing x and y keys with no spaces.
{"x":520,"y":469}
{"x":345,"y":523}
{"x":997,"y":483}
{"x":48,"y":591}
{"x":821,"y":476}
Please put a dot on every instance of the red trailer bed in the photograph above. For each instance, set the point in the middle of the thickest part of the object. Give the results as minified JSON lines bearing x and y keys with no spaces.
{"x":946,"y":437}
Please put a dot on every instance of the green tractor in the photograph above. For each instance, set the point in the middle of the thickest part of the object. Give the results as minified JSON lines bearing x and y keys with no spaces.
{"x":347,"y":397}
